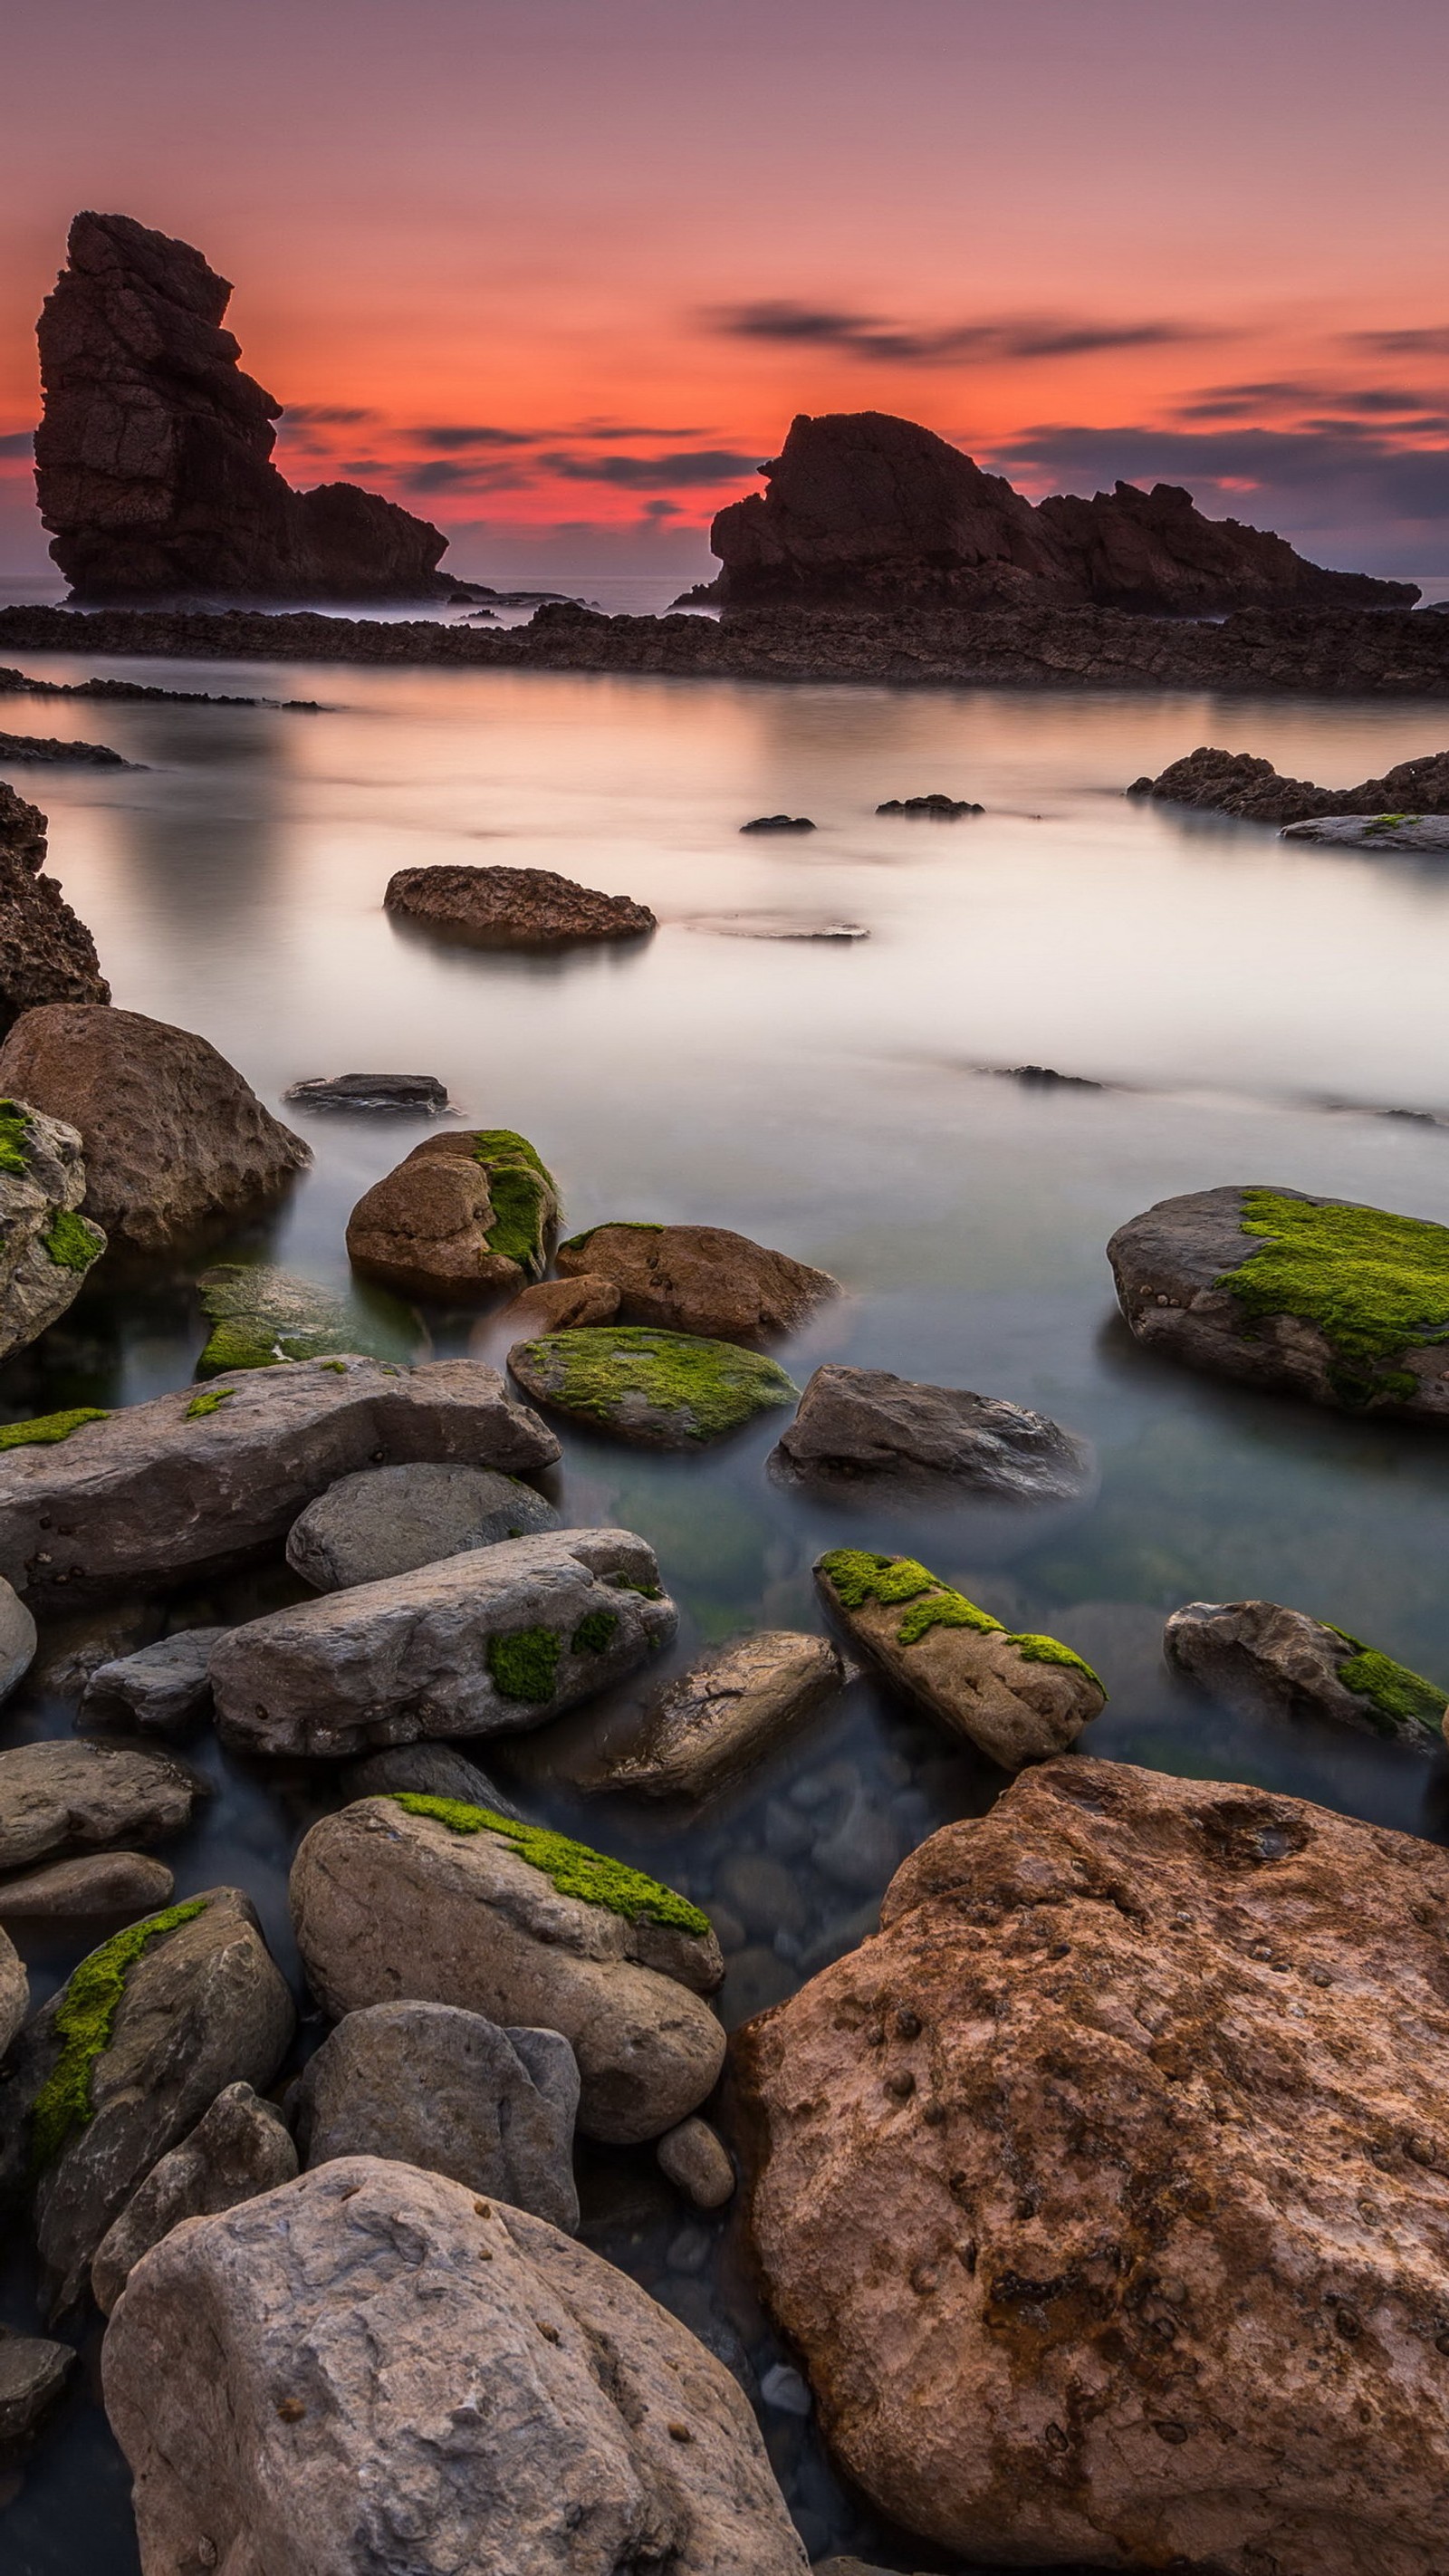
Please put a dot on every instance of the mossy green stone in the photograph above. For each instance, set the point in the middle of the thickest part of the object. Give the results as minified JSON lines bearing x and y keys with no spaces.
{"x":83,"y":2021}
{"x":524,"y":1196}
{"x":1398,"y":1696}
{"x":71,"y":1243}
{"x":45,"y":1428}
{"x":524,"y":1663}
{"x":14,"y":1137}
{"x":260,"y":1316}
{"x":857,"y":1577}
{"x":665,"y":1390}
{"x":1376,"y":1285}
{"x":571,"y":1867}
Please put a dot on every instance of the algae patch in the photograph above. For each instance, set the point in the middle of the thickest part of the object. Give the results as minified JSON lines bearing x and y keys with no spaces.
{"x":72,"y":1244}
{"x":1398,"y":1696}
{"x":570,"y":1867}
{"x":210,"y":1398}
{"x":524,"y":1663}
{"x":83,"y":2021}
{"x":48,"y":1427}
{"x":14,"y":1138}
{"x":260,"y":1316}
{"x":1374,"y":1284}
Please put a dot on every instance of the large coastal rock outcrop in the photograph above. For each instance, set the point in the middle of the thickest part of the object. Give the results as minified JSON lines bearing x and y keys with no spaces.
{"x":1260,"y":1656}
{"x":466,"y":1212}
{"x":867,"y":1432}
{"x":513,"y":907}
{"x":153,"y":459}
{"x":46,"y":1245}
{"x":172,"y":1134}
{"x":1104,"y":2192}
{"x":660,"y":1390}
{"x":46,"y":952}
{"x":1344,"y":1304}
{"x":699,"y":1279}
{"x":415,"y":1899}
{"x":1235,"y":782}
{"x":238,"y":2149}
{"x":372,"y":2368}
{"x":861,"y":509}
{"x":486,"y":1643}
{"x":93,"y":1502}
{"x":1018,"y":1697}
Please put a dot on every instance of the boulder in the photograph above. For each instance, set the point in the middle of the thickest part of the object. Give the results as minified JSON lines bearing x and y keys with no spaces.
{"x":389,"y":1520}
{"x":60,"y":1792}
{"x":513,"y":907}
{"x":486,"y":1643}
{"x":694,"y":2158}
{"x":407,"y":1899}
{"x":46,"y":1246}
{"x":1017,"y":1696}
{"x":18,"y":1640}
{"x":552,"y":1305}
{"x":14,"y":1991}
{"x":259,"y":1315}
{"x":1234,"y":782}
{"x":940,"y":809}
{"x":426,"y":2084}
{"x":373,"y":2367}
{"x":1343,"y":1304}
{"x":712,"y":1724}
{"x":659,"y":1390}
{"x":153,"y":459}
{"x":159,"y":1690}
{"x":432,"y":1771}
{"x":171,"y":1133}
{"x":468,"y":1211}
{"x":1259,"y":1656}
{"x":120,"y":1882}
{"x":1102,"y":2193}
{"x":418,"y":1094}
{"x":699,"y":1279}
{"x":193,"y":1482}
{"x":46,"y":953}
{"x":866,"y":1431}
{"x":779,"y":823}
{"x":238,"y":2149}
{"x":1427,"y":833}
{"x":123,"y":2061}
{"x":32,"y":2374}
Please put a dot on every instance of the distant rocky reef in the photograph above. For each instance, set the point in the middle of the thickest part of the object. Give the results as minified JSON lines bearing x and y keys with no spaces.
{"x":864,"y":510}
{"x":153,"y":459}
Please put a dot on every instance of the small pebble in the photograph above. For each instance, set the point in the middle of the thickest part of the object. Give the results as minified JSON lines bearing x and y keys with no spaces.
{"x":697,"y":2162}
{"x":785,"y":2390}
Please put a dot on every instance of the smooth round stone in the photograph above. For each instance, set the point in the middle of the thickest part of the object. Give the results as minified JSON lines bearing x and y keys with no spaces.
{"x":120,"y":1882}
{"x":697,"y":2162}
{"x":390,"y":1520}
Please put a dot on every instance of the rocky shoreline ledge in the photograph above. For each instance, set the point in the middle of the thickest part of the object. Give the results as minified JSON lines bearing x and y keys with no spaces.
{"x":1323,"y":652}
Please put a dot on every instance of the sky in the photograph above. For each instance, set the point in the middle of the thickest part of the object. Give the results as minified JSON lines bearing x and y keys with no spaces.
{"x":558,"y":273}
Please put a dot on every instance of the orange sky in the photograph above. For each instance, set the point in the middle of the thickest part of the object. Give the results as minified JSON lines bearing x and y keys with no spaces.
{"x":573,"y":264}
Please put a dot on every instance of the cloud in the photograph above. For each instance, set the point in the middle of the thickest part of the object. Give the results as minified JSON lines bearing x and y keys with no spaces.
{"x":17,"y":442}
{"x":680,"y":470}
{"x":454,"y":438}
{"x":884,"y":343}
{"x":447,"y":474}
{"x":331,"y":415}
{"x":1247,"y":402}
{"x":1431,"y":343}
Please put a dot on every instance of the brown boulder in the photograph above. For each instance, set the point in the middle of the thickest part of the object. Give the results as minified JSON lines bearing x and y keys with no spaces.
{"x":556,"y":1305}
{"x":513,"y":907}
{"x":172,"y":1133}
{"x":46,"y":953}
{"x":467,"y":1211}
{"x":1105,"y":2191}
{"x":699,"y":1279}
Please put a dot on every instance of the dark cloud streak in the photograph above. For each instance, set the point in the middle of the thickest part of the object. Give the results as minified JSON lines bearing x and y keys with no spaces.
{"x":884,"y":343}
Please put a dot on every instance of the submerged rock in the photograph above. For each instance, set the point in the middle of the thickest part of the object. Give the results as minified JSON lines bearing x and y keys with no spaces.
{"x":866,"y":1431}
{"x":113,"y":1882}
{"x":1259,"y":1655}
{"x":59,"y":1792}
{"x":1126,"y":2125}
{"x":513,"y":907}
{"x":406,"y":1899}
{"x":259,"y":1316}
{"x":1318,"y":1297}
{"x":238,"y":2149}
{"x":389,"y":1520}
{"x":33,"y":2373}
{"x":712,"y":1724}
{"x":779,"y":823}
{"x":374,"y":2351}
{"x":46,"y":748}
{"x":413,"y":1092}
{"x":46,"y":952}
{"x":661,"y":1390}
{"x":1020,"y":1698}
{"x":945,"y":809}
{"x":46,"y":1246}
{"x":1233,"y":782}
{"x":160,"y":1689}
{"x":553,"y":1305}
{"x":465,"y":1213}
{"x":699,"y":1279}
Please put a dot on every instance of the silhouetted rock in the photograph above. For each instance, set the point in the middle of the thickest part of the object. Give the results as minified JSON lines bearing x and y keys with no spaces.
{"x":1233,"y":782}
{"x":46,"y":953}
{"x":48,"y":749}
{"x":943,"y":809}
{"x":153,"y":460}
{"x":1155,"y":552}
{"x":779,"y":823}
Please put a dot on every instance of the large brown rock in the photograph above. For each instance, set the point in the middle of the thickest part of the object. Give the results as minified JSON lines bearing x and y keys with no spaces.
{"x":1105,"y":2192}
{"x":153,"y":459}
{"x":1234,"y":782}
{"x":513,"y":907}
{"x":64,"y":1791}
{"x":46,"y":952}
{"x":373,"y":2369}
{"x":466,"y":1212}
{"x":699,"y":1279}
{"x":172,"y":1134}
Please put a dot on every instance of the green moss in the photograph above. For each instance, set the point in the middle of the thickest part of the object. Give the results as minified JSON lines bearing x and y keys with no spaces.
{"x":338,"y":1367}
{"x":1386,"y":822}
{"x":260,"y":1316}
{"x":701,"y":1388}
{"x":48,"y":1427}
{"x":616,"y":1225}
{"x":945,"y":1610}
{"x":1396,"y":1695}
{"x":1050,"y":1650}
{"x":71,"y":1243}
{"x":521,"y":1188}
{"x":569,"y":1866}
{"x":524,"y":1664}
{"x":207,"y":1402}
{"x":856,"y":1577}
{"x":595,"y":1633}
{"x":646,"y":1591}
{"x":14,"y":1137}
{"x":505,"y":1145}
{"x":83,"y":2020}
{"x":1375,"y":1285}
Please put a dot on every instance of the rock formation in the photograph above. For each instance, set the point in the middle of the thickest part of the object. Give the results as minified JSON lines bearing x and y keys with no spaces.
{"x":863,"y":509}
{"x":1234,"y":782}
{"x":153,"y":460}
{"x":46,"y":954}
{"x":513,"y":907}
{"x":699,"y":1279}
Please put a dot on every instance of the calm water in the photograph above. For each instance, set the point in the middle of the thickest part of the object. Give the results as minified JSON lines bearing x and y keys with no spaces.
{"x":1252,"y":1009}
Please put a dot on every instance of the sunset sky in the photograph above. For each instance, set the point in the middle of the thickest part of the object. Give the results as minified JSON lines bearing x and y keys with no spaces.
{"x":557,"y":273}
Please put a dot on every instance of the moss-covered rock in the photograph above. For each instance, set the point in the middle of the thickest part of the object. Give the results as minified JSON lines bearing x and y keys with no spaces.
{"x":46,"y":1245}
{"x":467,"y":1211}
{"x":663,"y":1390}
{"x":259,"y":1315}
{"x":571,"y":1867}
{"x":1261,"y":1656}
{"x":43,"y":1430}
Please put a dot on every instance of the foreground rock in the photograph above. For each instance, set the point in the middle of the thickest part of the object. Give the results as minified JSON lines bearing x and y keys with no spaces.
{"x":46,"y":1246}
{"x":409,"y":1092}
{"x":372,"y":2353}
{"x":57,"y":1793}
{"x":487,"y":1643}
{"x":122,"y":2063}
{"x":194,"y":1482}
{"x":46,"y":953}
{"x":1258,"y":1655}
{"x":865,"y":1431}
{"x":417,"y":1900}
{"x":661,"y":1390}
{"x":153,"y":459}
{"x":240,"y":2148}
{"x":121,"y":1882}
{"x":1182,"y":2203}
{"x":1428,"y":833}
{"x":426,"y":2084}
{"x":14,"y":1991}
{"x":714,"y":1723}
{"x":1233,"y":782}
{"x":32,"y":2376}
{"x":699,"y":1279}
{"x":389,"y":1520}
{"x":259,"y":1315}
{"x":467,"y":1212}
{"x":159,"y":1690}
{"x":514,"y":907}
{"x":1019,"y":1697}
{"x":1323,"y":1298}
{"x":171,"y":1134}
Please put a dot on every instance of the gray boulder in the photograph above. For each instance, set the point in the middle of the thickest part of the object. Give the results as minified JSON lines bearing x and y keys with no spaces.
{"x":17,"y":1640}
{"x":46,"y":1245}
{"x":866,"y":1430}
{"x":390,"y":1520}
{"x":429,"y":1770}
{"x":1258,"y":1655}
{"x":371,"y":2369}
{"x":61,"y":1792}
{"x":426,"y":2084}
{"x":14,"y":1991}
{"x":420,"y":1094}
{"x":32,"y":2374}
{"x":160,"y":1689}
{"x":393,"y":1903}
{"x":1428,"y":832}
{"x":113,"y":1882}
{"x":712,"y":1724}
{"x":482,"y":1644}
{"x":239,"y":2148}
{"x":205,"y":1478}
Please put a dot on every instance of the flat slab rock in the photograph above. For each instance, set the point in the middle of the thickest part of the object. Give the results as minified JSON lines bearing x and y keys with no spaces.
{"x":486,"y":1643}
{"x":1375,"y":831}
{"x":710,"y":1725}
{"x":412,"y":1092}
{"x":514,"y":907}
{"x":238,"y":2149}
{"x":659,"y":1390}
{"x":119,"y":1882}
{"x":159,"y":1689}
{"x":373,"y":2351}
{"x":1128,"y":2124}
{"x":867,"y":1430}
{"x":390,"y":1520}
{"x":1259,"y":1655}
{"x":699,"y":1279}
{"x":1175,"y":1265}
{"x":198,"y":1480}
{"x":60,"y":1792}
